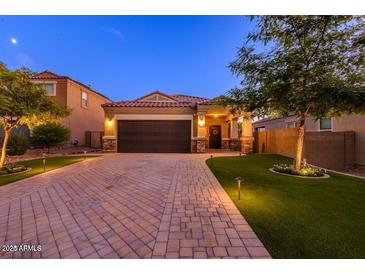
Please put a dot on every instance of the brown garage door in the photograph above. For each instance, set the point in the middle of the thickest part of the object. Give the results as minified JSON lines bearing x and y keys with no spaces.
{"x":154,"y":136}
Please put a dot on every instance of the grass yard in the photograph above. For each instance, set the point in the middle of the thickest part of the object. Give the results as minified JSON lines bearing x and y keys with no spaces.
{"x":294,"y":217}
{"x":37,"y":167}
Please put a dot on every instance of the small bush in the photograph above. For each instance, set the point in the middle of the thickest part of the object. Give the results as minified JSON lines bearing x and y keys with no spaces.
{"x":12,"y":168}
{"x":17,"y":144}
{"x":3,"y":171}
{"x":49,"y":135}
{"x":307,"y":171}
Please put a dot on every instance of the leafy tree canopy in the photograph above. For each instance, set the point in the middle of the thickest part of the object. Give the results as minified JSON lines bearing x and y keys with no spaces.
{"x":23,"y":102}
{"x":309,"y":65}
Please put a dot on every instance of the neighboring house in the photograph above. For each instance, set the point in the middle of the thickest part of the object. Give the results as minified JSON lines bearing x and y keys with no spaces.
{"x":355,"y":123}
{"x":158,"y":122}
{"x":87,"y":114}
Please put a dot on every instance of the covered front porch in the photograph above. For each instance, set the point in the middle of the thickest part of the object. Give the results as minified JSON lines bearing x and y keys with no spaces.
{"x":216,"y":128}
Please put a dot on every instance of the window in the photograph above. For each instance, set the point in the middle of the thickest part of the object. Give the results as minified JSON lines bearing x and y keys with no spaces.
{"x":291,"y":125}
{"x":325,"y":124}
{"x":50,"y":88}
{"x":84,"y":97}
{"x":259,"y":129}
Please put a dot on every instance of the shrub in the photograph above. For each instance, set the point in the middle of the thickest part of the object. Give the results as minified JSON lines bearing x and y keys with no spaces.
{"x":12,"y":168}
{"x":49,"y":135}
{"x":17,"y":144}
{"x":307,"y":171}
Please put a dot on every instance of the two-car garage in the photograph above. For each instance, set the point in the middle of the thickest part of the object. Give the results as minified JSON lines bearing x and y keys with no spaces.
{"x":154,"y":136}
{"x":156,"y":122}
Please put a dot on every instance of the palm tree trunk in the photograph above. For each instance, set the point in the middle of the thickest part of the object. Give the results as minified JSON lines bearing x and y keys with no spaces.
{"x":3,"y":147}
{"x":300,"y":144}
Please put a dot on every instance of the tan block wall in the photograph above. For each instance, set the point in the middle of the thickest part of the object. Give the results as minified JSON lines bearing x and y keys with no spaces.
{"x":354,"y":123}
{"x":278,"y":141}
{"x":283,"y":141}
{"x":333,"y":150}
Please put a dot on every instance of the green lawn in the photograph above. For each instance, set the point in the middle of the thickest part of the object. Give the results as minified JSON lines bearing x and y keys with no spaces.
{"x":294,"y":217}
{"x":37,"y":167}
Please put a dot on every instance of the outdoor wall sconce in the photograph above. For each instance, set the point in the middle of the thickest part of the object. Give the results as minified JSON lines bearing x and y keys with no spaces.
{"x":201,"y":120}
{"x":110,"y":122}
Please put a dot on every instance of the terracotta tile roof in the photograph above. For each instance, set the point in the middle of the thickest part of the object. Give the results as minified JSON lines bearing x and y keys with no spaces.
{"x":157,"y":92}
{"x":180,"y":100}
{"x":49,"y":75}
{"x":188,"y":98}
{"x":153,"y":104}
{"x":209,"y":102}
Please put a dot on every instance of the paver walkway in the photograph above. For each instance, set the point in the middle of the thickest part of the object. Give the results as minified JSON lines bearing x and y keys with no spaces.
{"x":126,"y":206}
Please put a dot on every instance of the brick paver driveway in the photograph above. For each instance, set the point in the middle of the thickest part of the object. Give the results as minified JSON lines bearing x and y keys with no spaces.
{"x":126,"y":206}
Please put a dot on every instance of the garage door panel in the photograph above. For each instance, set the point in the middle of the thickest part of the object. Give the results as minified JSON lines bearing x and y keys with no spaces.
{"x":154,"y":136}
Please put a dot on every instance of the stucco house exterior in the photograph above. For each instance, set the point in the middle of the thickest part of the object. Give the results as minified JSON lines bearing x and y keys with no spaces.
{"x":87,"y":114}
{"x":159,"y":122}
{"x":353,"y":122}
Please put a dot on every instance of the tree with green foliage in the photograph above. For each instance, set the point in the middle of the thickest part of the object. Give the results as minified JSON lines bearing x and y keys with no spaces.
{"x":24,"y":103}
{"x":307,"y":66}
{"x":49,"y":135}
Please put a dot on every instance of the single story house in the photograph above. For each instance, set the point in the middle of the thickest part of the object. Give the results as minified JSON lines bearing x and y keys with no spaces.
{"x":159,"y":122}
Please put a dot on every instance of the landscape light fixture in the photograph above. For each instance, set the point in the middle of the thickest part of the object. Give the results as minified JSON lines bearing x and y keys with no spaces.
{"x":239,"y":179}
{"x":44,"y":162}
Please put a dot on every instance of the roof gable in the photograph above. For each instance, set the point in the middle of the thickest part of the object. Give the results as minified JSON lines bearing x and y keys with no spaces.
{"x":157,"y":99}
{"x":47,"y":74}
{"x":156,"y":96}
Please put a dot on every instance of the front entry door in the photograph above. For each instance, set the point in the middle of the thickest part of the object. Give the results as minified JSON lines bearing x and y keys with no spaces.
{"x":215,"y":137}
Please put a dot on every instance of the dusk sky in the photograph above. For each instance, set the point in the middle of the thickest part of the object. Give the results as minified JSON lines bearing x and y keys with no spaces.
{"x":125,"y":57}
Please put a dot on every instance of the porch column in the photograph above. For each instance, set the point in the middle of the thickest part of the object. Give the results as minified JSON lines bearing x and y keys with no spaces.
{"x":247,"y":134}
{"x":109,"y":138}
{"x":201,"y":142}
{"x":234,"y":141}
{"x":234,"y":129}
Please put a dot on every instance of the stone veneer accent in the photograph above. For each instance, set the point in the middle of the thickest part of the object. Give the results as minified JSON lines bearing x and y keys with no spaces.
{"x":234,"y":144}
{"x":199,"y":144}
{"x":193,"y":145}
{"x":109,"y":144}
{"x":225,"y":143}
{"x":247,"y":144}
